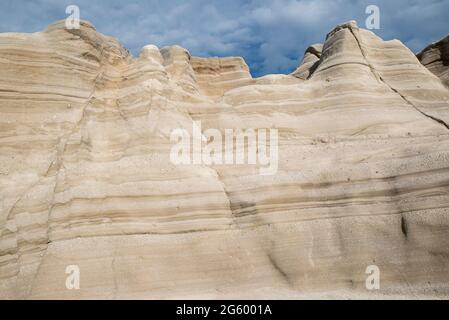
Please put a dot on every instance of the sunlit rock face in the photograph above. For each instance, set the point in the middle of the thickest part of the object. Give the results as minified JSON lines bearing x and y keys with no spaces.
{"x":86,"y":178}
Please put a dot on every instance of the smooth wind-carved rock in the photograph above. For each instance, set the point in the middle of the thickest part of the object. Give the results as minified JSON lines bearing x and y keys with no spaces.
{"x":86,"y":177}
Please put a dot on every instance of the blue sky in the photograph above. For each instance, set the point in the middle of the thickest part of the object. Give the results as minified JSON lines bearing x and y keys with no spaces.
{"x":270,"y":35}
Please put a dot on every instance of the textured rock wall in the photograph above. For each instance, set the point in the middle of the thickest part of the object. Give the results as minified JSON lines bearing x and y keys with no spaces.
{"x":86,"y":178}
{"x":436,"y":58}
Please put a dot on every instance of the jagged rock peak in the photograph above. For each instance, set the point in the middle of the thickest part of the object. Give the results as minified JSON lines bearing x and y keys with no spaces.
{"x":350,"y":24}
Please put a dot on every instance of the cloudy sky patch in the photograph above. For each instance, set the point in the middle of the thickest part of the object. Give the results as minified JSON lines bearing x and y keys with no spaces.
{"x":270,"y":35}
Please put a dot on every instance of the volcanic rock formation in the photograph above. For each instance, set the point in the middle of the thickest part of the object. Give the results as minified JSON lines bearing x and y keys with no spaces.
{"x":86,"y":177}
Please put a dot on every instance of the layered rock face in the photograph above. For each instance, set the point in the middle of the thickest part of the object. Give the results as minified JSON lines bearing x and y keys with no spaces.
{"x":436,"y":58}
{"x":310,"y":62}
{"x":86,"y":177}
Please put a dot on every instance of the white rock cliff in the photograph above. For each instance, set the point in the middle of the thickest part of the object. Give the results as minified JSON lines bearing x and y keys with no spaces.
{"x":86,"y":177}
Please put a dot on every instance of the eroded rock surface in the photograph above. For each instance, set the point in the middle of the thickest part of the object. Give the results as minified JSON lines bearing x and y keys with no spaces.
{"x":86,"y":177}
{"x":436,"y":58}
{"x":310,"y":62}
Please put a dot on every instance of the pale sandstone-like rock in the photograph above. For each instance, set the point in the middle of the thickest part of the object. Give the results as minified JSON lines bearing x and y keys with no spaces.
{"x":310,"y":62}
{"x":86,"y":177}
{"x":436,"y":58}
{"x":215,"y":76}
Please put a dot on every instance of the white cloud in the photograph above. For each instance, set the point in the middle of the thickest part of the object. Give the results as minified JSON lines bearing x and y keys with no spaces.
{"x":271,"y":35}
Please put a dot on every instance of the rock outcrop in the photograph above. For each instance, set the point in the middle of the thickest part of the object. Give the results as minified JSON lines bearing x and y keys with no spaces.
{"x":436,"y":58}
{"x":310,"y":62}
{"x":86,"y":177}
{"x":215,"y":76}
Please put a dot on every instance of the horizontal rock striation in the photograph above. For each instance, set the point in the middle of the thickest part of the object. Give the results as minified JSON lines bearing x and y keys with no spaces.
{"x":86,"y":177}
{"x":310,"y":62}
{"x":436,"y":58}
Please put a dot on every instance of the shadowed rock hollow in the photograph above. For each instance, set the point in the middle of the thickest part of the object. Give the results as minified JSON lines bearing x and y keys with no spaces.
{"x":86,"y":177}
{"x":436,"y":58}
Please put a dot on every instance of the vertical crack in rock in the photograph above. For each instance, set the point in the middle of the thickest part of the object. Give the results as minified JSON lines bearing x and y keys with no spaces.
{"x":312,"y":69}
{"x":58,"y":162}
{"x":404,"y":226}
{"x":86,"y":192}
{"x":226,"y":194}
{"x":362,"y":51}
{"x":419,"y":110}
{"x":379,"y":77}
{"x":279,"y":270}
